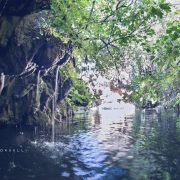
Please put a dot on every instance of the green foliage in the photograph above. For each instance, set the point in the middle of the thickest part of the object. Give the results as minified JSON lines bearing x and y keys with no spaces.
{"x":99,"y":29}
{"x":162,"y":82}
{"x":112,"y":33}
{"x":79,"y":94}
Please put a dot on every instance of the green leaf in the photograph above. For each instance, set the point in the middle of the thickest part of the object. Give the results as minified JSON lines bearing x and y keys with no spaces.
{"x":165,"y":6}
{"x":157,"y":12}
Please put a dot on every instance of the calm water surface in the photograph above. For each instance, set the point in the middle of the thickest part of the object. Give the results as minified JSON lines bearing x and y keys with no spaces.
{"x":112,"y":143}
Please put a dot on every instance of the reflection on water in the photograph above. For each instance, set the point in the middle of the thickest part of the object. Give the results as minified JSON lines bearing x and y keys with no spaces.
{"x":111,"y":143}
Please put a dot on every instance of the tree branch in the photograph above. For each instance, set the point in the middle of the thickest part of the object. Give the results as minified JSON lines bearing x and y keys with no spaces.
{"x":90,"y":14}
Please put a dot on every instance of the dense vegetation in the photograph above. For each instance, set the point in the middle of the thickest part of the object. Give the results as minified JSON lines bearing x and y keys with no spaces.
{"x":138,"y":37}
{"x":79,"y":94}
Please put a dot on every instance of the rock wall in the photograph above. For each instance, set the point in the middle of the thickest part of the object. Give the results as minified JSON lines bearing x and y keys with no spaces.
{"x":30,"y":59}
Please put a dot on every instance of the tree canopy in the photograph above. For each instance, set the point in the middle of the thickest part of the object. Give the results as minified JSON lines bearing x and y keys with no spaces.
{"x":123,"y":35}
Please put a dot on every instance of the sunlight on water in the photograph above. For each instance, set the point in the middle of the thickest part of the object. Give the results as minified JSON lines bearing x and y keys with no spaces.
{"x":105,"y":145}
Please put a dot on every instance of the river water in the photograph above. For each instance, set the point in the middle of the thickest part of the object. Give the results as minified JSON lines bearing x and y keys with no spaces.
{"x":111,"y":142}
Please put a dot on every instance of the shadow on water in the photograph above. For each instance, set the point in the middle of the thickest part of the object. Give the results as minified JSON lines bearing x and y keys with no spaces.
{"x":107,"y":144}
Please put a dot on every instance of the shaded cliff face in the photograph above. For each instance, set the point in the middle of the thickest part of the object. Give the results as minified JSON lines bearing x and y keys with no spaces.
{"x":30,"y":65}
